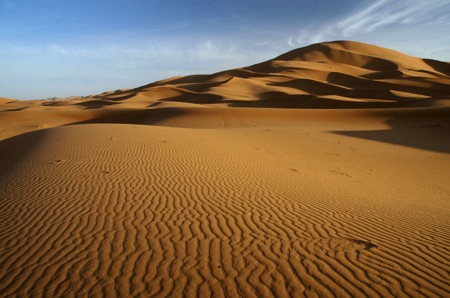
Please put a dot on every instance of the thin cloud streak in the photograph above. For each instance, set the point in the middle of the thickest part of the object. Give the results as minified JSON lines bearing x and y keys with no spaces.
{"x":112,"y":66}
{"x":374,"y":17}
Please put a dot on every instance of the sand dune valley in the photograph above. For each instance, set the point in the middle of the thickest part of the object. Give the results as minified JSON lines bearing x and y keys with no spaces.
{"x":322,"y":172}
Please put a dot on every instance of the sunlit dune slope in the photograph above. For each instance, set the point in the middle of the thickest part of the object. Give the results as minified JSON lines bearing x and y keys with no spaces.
{"x":5,"y":100}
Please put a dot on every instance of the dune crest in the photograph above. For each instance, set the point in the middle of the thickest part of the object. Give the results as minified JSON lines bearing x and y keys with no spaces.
{"x":365,"y":76}
{"x":323,"y":172}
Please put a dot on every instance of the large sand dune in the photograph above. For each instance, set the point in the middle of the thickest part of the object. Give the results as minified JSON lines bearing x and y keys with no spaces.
{"x":323,"y":172}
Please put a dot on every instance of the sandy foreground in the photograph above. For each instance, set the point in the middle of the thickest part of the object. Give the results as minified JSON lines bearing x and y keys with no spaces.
{"x":324,"y":172}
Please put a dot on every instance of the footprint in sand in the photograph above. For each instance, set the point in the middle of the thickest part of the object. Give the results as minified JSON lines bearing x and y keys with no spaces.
{"x":342,"y":244}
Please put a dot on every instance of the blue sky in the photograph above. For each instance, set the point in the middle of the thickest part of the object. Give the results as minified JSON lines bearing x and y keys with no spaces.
{"x":59,"y":48}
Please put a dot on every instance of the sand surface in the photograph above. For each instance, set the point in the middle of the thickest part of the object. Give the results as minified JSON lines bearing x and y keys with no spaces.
{"x":323,"y":172}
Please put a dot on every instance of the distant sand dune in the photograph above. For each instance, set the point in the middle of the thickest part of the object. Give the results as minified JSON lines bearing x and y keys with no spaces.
{"x":347,"y":69}
{"x":323,"y":172}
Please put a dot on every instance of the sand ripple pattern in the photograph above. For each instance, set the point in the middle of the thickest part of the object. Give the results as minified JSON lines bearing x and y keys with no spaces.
{"x":139,"y":211}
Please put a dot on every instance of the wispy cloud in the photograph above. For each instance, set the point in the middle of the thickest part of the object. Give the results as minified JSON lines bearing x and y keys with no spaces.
{"x":374,"y":16}
{"x":91,"y":68}
{"x":157,"y":50}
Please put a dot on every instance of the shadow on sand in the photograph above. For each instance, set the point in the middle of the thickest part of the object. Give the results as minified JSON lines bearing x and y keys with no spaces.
{"x":427,"y":129}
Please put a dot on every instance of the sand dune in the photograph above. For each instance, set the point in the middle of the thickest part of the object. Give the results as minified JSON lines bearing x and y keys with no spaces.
{"x":4,"y":100}
{"x":323,"y":172}
{"x":311,"y":77}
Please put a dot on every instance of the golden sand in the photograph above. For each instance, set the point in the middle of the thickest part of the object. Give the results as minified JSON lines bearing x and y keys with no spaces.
{"x":323,"y":172}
